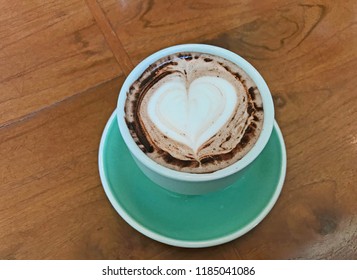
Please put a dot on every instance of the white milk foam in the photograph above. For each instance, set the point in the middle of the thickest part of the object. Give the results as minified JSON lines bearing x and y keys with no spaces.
{"x":192,"y":115}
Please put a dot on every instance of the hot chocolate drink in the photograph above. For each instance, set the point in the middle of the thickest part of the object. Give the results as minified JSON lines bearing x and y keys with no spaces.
{"x":194,"y":112}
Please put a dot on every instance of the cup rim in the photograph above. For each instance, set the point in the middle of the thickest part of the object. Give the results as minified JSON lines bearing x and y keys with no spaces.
{"x":197,"y":177}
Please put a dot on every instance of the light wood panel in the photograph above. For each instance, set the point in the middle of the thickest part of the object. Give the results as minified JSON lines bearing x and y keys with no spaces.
{"x":49,"y":50}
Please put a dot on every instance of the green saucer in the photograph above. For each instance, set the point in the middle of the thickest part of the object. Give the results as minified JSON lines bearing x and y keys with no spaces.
{"x":190,"y":221}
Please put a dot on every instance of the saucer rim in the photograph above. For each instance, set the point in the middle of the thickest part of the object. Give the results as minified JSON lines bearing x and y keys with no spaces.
{"x":185,"y":243}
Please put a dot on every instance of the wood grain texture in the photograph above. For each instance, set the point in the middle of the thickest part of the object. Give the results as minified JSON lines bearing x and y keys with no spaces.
{"x":52,"y":202}
{"x":61,"y":67}
{"x":49,"y":50}
{"x":111,"y":37}
{"x":147,"y":26}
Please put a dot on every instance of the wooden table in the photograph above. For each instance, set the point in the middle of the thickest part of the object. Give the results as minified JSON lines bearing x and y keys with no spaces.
{"x":62,"y":64}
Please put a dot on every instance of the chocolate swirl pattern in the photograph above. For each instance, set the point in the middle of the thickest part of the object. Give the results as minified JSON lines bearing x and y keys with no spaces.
{"x":194,"y":112}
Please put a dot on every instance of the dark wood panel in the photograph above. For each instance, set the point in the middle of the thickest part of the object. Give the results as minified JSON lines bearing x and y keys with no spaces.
{"x":52,"y":204}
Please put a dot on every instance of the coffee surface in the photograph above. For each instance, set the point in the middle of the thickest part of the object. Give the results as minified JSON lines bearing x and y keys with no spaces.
{"x":194,"y":112}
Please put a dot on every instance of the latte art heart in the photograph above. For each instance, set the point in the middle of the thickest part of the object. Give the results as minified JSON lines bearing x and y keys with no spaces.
{"x":194,"y":112}
{"x":192,"y":115}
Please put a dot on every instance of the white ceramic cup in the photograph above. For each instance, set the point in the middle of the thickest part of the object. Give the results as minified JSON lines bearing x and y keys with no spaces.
{"x":189,"y":183}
